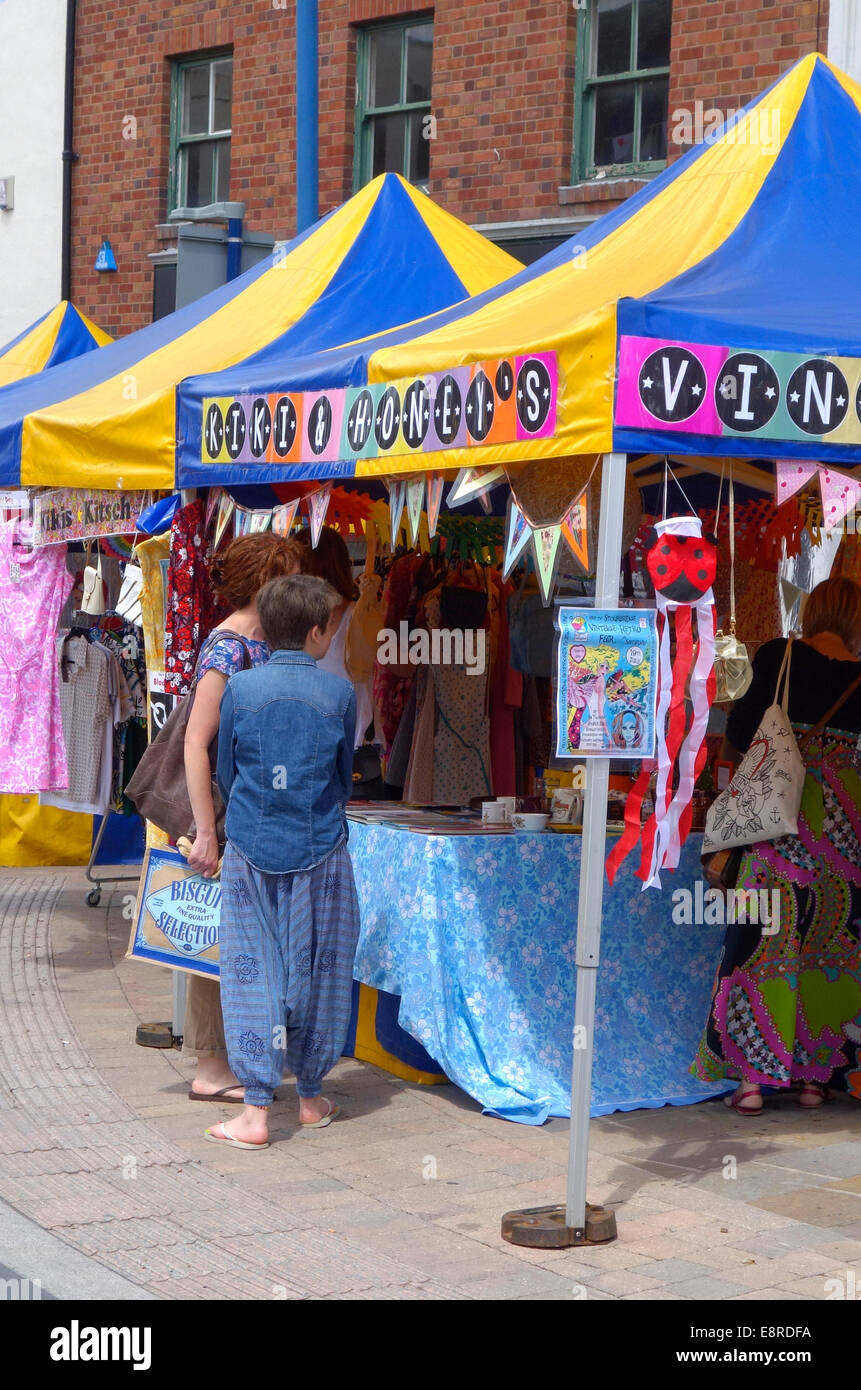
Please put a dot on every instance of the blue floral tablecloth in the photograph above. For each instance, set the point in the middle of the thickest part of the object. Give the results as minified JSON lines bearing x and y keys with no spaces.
{"x":476,"y":934}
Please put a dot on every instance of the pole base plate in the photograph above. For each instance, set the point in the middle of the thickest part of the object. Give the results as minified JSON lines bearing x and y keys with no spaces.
{"x":154,"y":1035}
{"x":544,"y":1228}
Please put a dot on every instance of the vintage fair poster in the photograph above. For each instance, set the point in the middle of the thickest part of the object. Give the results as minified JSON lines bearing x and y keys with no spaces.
{"x":177,"y":915}
{"x":607,"y":672}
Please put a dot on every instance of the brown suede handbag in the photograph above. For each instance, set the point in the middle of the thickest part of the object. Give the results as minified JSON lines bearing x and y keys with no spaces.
{"x":158,"y":787}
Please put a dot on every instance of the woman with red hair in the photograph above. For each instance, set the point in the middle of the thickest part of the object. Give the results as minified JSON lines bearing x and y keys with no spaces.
{"x":238,"y":575}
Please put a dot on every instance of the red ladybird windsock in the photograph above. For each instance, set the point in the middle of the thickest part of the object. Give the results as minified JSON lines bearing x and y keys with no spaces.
{"x":681,"y":563}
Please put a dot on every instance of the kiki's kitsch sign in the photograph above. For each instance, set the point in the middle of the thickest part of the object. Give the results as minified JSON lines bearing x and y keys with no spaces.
{"x":177,"y":916}
{"x":499,"y":402}
{"x":71,"y":514}
{"x":696,"y":388}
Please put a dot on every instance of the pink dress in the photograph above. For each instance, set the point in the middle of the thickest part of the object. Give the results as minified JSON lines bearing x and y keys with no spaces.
{"x":34,"y":585}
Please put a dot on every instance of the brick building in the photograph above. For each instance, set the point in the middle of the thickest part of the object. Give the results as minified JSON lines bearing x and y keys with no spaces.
{"x":526,"y":118}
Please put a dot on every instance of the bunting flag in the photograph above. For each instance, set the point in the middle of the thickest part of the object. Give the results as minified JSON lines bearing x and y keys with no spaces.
{"x":790,"y":476}
{"x":575,"y":529}
{"x":415,"y":499}
{"x":260,"y":521}
{"x":473,"y":483}
{"x":518,"y":534}
{"x":283,"y":517}
{"x":545,"y":544}
{"x":226,"y":509}
{"x":397,"y":498}
{"x":211,"y":505}
{"x":435,"y":483}
{"x":839,"y":496}
{"x":241,"y":521}
{"x":682,"y":566}
{"x":318,"y":504}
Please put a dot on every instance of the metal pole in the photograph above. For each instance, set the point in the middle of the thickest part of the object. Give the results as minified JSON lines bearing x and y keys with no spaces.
{"x":593,"y":845}
{"x":180,"y":987}
{"x":306,"y":114}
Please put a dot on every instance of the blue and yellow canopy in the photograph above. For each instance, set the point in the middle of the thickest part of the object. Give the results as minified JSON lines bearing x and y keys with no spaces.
{"x":58,"y":336}
{"x":716,"y":312}
{"x":387,"y":256}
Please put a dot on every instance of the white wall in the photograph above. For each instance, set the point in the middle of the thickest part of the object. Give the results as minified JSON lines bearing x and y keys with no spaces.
{"x":32,"y":44}
{"x":844,"y":36}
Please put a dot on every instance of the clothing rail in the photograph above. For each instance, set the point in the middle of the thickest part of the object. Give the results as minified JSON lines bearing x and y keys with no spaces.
{"x":94,"y":896}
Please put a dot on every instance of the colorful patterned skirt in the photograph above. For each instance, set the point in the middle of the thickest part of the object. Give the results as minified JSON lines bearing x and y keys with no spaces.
{"x":786,"y":1004}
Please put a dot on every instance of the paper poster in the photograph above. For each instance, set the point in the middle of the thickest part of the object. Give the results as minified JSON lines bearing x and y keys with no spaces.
{"x":435,"y":482}
{"x":71,"y":514}
{"x":606,"y":683}
{"x":283,"y":517}
{"x":177,"y":915}
{"x":318,"y":505}
{"x":161,"y":702}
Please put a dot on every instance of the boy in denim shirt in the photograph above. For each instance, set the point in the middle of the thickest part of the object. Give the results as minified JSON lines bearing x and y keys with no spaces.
{"x":289,"y":913}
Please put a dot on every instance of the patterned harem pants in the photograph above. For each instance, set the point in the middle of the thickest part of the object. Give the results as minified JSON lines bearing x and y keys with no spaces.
{"x":288,"y":942}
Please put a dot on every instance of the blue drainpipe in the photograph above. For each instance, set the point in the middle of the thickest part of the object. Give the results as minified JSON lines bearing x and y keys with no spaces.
{"x":306,"y":114}
{"x":234,"y":247}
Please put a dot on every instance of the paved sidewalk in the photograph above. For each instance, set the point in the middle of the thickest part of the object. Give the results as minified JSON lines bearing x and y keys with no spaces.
{"x":400,"y":1199}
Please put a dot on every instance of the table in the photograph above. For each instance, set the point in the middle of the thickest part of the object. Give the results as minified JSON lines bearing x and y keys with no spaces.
{"x":476,"y":934}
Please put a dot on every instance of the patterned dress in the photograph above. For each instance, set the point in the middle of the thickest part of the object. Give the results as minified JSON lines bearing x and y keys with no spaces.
{"x":786,"y":1005}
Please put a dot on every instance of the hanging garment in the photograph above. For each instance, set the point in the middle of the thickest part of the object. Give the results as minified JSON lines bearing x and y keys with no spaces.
{"x":335,"y":662}
{"x":34,"y":586}
{"x":191,"y":608}
{"x":88,"y":700}
{"x":152,"y":556}
{"x":504,"y":699}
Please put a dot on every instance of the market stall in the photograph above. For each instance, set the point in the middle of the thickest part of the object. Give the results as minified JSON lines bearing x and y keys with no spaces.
{"x":31,"y":833}
{"x":687,"y":320}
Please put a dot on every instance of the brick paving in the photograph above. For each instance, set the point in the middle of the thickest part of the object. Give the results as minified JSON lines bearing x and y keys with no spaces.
{"x":400,"y":1199}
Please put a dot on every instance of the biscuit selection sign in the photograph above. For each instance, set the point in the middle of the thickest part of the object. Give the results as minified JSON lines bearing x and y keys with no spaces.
{"x":696,"y":388}
{"x":177,"y":915}
{"x":498,"y":402}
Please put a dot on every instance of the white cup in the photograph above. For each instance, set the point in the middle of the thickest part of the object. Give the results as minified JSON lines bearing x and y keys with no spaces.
{"x":532,"y":821}
{"x":492,"y":813}
{"x":509,"y":805}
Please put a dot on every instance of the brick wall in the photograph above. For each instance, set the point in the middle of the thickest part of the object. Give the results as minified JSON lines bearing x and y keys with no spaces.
{"x":724,"y":52}
{"x":503,"y":80}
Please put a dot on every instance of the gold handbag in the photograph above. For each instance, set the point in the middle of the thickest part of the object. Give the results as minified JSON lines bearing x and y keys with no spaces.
{"x":733,"y":670}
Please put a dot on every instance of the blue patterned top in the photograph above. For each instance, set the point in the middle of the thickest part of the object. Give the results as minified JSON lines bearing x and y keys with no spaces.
{"x":226,"y":656}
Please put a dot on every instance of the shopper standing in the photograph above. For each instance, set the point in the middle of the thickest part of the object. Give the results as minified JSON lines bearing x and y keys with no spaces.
{"x":289,"y":912}
{"x":238,"y":574}
{"x":787,"y":1004}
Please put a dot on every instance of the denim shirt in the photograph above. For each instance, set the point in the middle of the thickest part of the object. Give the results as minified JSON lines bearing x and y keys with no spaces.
{"x":285,"y":761}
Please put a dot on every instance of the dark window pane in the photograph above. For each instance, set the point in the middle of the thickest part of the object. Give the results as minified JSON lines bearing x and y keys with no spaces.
{"x":614,"y":124}
{"x":384,"y":87}
{"x":197,"y":160}
{"x":388,"y":145}
{"x":222,"y":76}
{"x":222,"y":179}
{"x":653,"y":33}
{"x":613,"y":43}
{"x":653,"y":117}
{"x":195,"y":100}
{"x":419,"y":59}
{"x":419,"y":170}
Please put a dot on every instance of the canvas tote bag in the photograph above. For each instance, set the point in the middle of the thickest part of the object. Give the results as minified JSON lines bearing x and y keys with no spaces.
{"x":769,"y":780}
{"x":763,"y":799}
